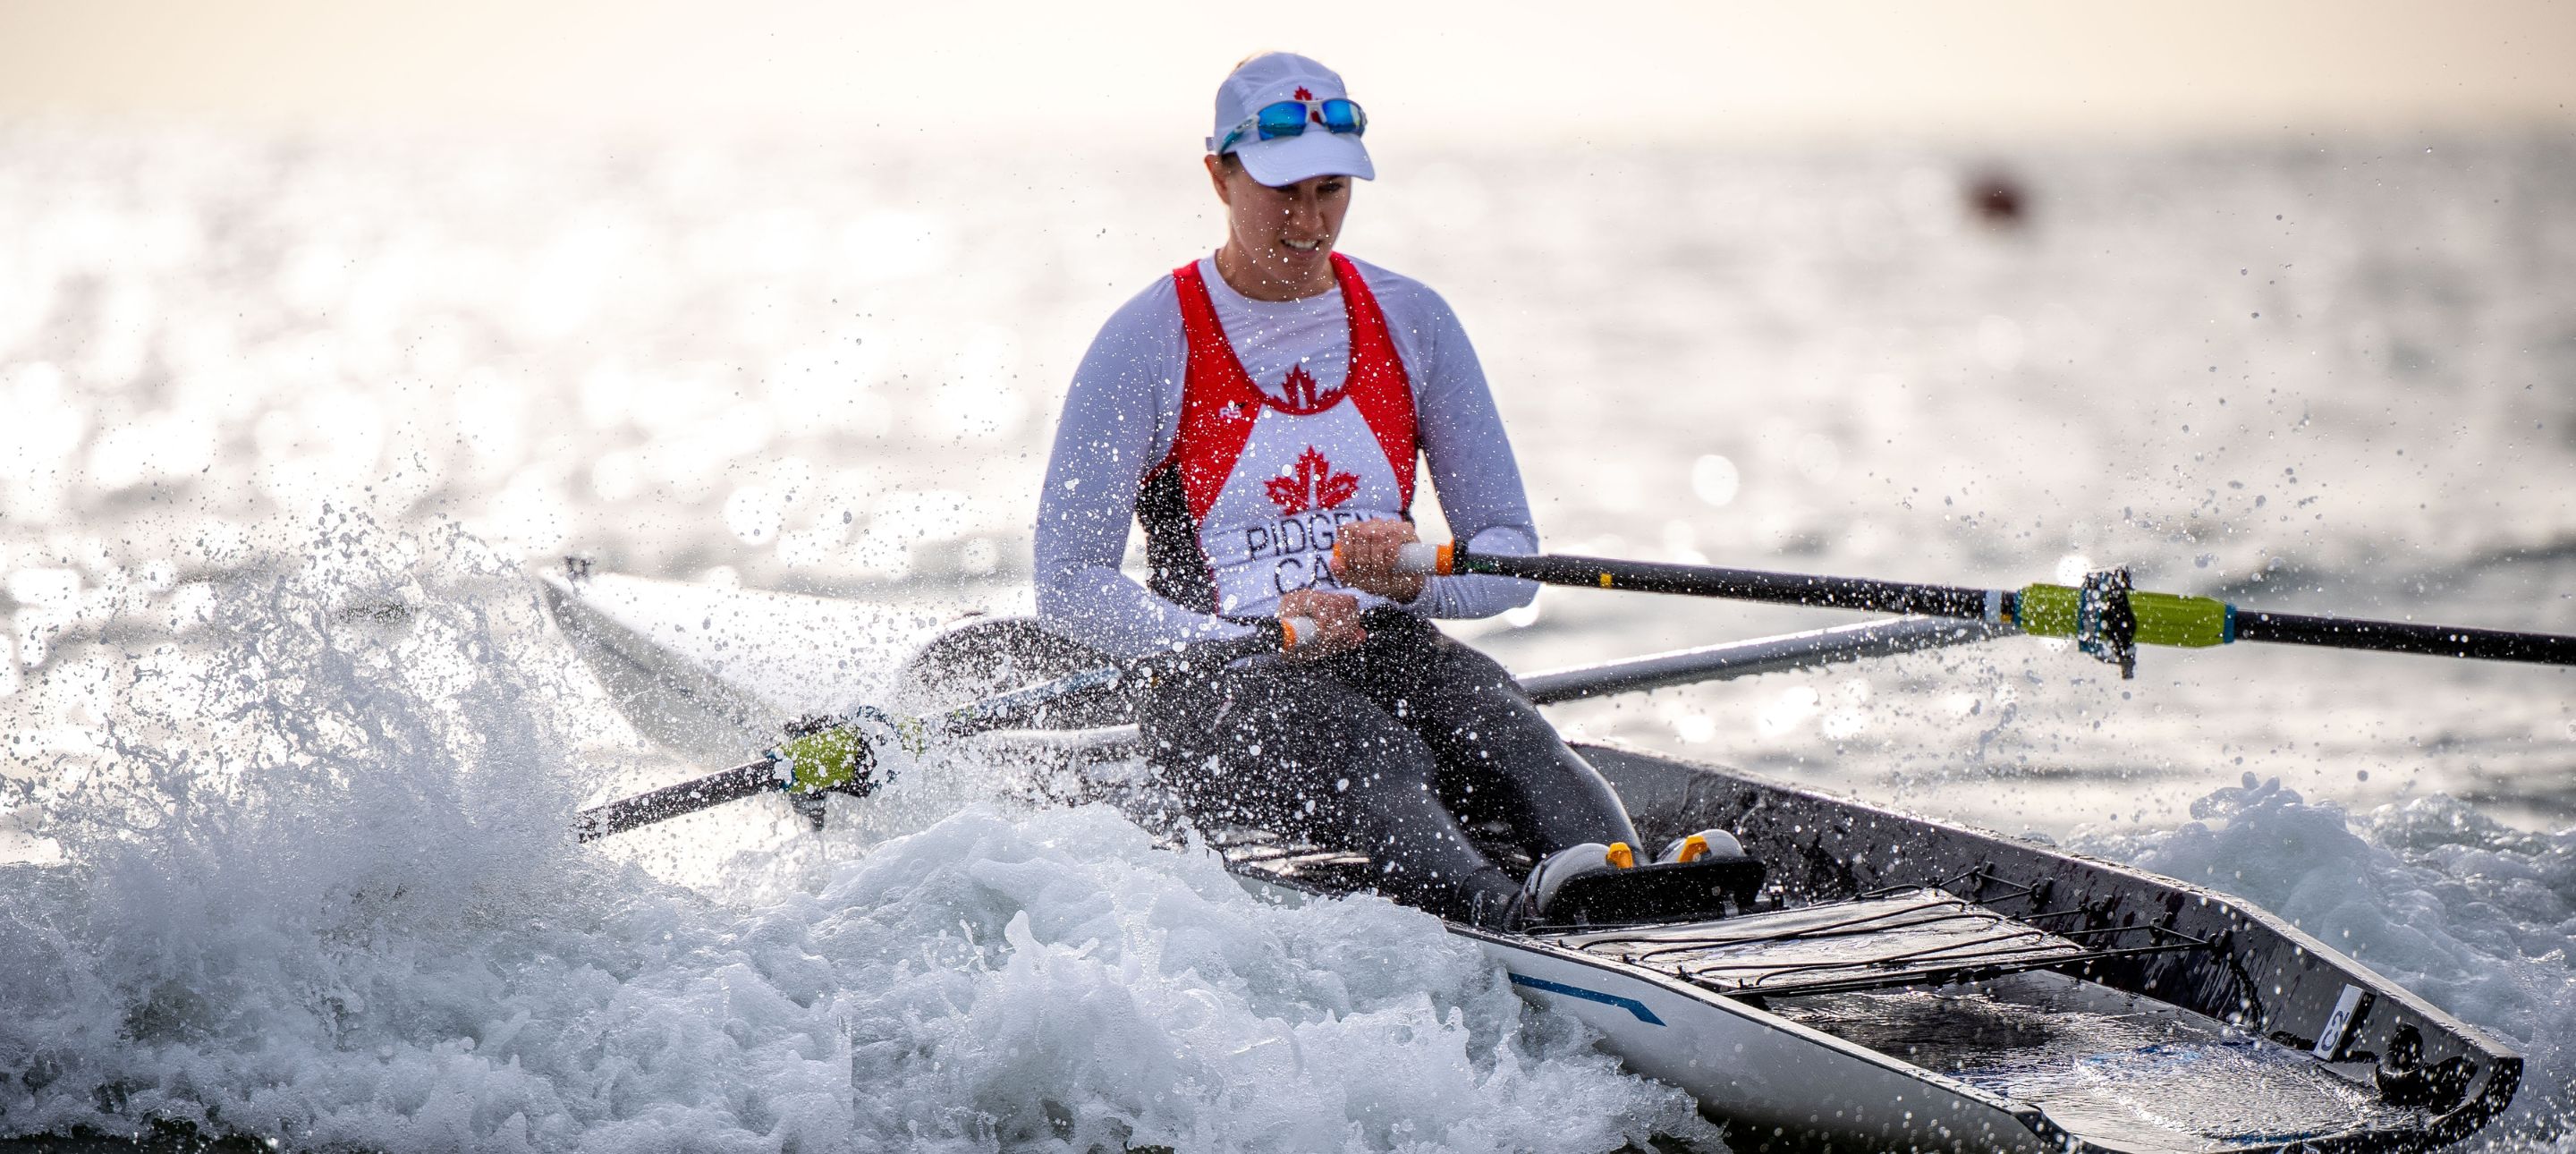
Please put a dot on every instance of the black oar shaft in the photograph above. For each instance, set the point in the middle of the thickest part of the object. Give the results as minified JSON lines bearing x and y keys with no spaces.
{"x":2405,"y":637}
{"x":745,"y":780}
{"x":1739,"y":584}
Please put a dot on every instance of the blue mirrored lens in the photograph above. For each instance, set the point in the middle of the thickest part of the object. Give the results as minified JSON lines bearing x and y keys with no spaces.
{"x":1344,"y":116}
{"x":1286,"y":118}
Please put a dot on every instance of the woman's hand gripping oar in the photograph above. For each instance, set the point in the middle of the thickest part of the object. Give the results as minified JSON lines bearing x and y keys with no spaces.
{"x":2104,"y":615}
{"x":838,"y":755}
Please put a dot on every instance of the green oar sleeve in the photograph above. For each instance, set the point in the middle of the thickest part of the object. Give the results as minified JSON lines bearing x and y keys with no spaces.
{"x":835,"y":756}
{"x":2163,"y":618}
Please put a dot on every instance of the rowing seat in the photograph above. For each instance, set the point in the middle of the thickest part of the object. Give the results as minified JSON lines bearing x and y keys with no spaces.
{"x":1692,"y":891}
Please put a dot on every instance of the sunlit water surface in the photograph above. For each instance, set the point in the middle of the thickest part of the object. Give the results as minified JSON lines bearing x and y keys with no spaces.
{"x":290,"y":749}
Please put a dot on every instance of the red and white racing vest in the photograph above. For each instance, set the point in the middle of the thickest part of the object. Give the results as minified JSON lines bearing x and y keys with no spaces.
{"x":1245,"y":507}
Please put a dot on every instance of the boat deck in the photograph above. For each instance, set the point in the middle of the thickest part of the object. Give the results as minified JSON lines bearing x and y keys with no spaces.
{"x":1953,"y":987}
{"x":2121,"y":1071}
{"x":1917,"y":936}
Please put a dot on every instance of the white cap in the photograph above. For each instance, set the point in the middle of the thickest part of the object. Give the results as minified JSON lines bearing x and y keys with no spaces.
{"x":1268,"y":79}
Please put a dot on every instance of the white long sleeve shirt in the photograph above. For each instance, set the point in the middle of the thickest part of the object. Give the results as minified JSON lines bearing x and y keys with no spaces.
{"x":1123,"y":411}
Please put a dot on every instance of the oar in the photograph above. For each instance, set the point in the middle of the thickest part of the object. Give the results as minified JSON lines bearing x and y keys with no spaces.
{"x":838,"y":755}
{"x":1812,"y":649}
{"x":2104,"y":615}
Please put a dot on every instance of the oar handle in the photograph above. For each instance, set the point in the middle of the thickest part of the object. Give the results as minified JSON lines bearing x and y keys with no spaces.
{"x":1412,"y":557}
{"x":1418,"y":557}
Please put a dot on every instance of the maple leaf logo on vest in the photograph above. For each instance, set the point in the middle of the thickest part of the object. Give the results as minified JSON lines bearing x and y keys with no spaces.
{"x":1311,"y":485}
{"x":1299,"y":390}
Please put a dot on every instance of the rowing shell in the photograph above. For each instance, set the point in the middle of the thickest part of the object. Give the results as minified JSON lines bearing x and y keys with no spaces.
{"x":1901,"y":983}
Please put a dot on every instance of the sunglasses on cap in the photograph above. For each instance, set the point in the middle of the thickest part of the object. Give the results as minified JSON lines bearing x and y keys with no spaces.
{"x":1290,"y":117}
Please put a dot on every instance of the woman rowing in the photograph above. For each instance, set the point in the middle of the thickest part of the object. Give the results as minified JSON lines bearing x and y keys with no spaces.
{"x":1253,"y":410}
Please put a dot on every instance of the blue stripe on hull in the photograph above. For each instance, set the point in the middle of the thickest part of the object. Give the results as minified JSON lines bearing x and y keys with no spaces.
{"x":1631,"y":1005}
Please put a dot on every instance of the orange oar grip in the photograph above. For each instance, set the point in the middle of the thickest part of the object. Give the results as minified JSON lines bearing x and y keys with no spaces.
{"x":1414,"y":557}
{"x":1422,"y":557}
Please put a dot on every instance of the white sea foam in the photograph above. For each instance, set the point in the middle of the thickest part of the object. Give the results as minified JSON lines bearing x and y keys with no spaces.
{"x":321,"y":892}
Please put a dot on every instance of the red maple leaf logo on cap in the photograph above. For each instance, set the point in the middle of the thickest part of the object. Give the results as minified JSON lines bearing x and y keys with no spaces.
{"x":1302,"y":94}
{"x":1312,"y":485}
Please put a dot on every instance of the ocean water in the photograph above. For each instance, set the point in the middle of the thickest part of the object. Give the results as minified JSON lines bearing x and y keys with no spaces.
{"x":289,"y":749}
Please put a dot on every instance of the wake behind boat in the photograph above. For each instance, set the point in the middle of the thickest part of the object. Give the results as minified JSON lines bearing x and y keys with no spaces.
{"x":1886,"y":981}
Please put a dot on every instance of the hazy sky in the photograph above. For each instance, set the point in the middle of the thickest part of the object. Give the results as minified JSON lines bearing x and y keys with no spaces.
{"x":1146,"y":70}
